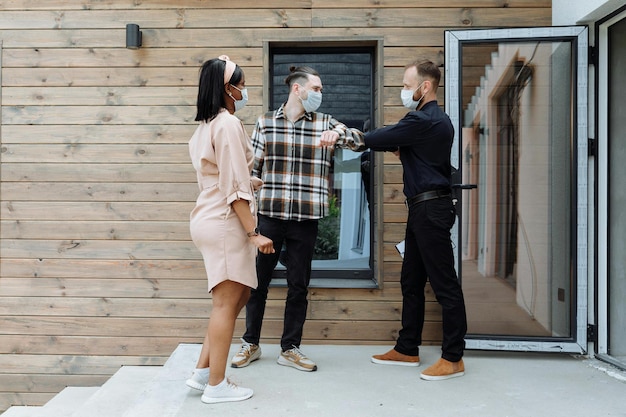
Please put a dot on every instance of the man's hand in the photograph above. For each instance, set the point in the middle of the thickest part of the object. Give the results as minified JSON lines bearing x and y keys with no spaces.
{"x":329,"y":138}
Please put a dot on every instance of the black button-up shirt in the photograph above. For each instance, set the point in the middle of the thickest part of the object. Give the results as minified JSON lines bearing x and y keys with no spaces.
{"x":424,"y":139}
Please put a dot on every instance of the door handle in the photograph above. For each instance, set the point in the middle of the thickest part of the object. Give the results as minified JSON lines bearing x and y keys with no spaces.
{"x":455,"y":193}
{"x":464,"y":186}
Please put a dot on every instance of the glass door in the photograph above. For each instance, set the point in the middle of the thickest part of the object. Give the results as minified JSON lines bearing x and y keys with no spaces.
{"x":518,"y":100}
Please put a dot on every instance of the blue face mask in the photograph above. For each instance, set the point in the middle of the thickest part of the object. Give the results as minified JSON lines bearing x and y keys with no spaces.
{"x":240,"y":104}
{"x":312,"y":101}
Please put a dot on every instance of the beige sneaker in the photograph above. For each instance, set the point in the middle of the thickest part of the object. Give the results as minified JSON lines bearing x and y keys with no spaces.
{"x":247,"y":354}
{"x":296,"y":359}
{"x":443,"y":369}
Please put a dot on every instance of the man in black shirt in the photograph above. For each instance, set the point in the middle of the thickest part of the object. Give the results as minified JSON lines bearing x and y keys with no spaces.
{"x":423,"y":141}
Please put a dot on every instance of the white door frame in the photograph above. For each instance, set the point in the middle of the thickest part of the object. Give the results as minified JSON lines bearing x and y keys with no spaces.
{"x":602,"y":181}
{"x":453,"y":40}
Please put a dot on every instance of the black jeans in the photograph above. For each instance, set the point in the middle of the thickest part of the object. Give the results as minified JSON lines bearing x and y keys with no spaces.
{"x":428,"y":254}
{"x":299,"y":238}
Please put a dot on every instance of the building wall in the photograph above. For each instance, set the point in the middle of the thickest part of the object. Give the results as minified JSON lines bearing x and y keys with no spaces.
{"x":567,"y":12}
{"x":97,"y":269}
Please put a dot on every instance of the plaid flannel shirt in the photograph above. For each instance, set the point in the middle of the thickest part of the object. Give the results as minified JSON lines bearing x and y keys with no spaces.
{"x":295,"y":170}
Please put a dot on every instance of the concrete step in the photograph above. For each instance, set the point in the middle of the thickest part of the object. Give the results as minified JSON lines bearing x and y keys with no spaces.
{"x":22,"y":411}
{"x":131,"y":388}
{"x":167,"y":392}
{"x":118,"y":393}
{"x":65,"y":403}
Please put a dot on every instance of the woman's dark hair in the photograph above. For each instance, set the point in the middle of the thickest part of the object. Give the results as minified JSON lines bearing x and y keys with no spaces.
{"x":211,"y":88}
{"x":296,"y":74}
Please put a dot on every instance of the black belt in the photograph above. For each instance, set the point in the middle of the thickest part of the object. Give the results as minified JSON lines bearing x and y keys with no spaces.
{"x":427,"y":195}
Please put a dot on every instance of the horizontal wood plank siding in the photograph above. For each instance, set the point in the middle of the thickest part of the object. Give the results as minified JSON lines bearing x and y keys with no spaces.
{"x":97,"y":269}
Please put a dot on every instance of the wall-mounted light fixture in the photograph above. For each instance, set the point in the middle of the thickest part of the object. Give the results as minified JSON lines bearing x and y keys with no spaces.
{"x":133,"y":36}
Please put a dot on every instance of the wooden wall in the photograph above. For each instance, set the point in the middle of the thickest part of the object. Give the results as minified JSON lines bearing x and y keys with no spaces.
{"x":97,"y":267}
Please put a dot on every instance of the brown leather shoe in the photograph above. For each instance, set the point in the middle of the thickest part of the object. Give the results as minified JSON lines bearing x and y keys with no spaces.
{"x":443,"y":369}
{"x":393,"y":357}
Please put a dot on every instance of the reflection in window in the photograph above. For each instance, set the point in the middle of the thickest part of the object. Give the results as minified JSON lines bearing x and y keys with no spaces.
{"x":343,"y":247}
{"x":516,"y":146}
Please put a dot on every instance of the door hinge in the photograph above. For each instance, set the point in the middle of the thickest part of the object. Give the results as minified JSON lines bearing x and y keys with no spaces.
{"x":592,"y":52}
{"x":591,"y":147}
{"x":592,"y":333}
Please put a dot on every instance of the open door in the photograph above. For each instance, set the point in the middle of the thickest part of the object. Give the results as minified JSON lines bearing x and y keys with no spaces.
{"x":611,"y":208}
{"x":518,"y":101}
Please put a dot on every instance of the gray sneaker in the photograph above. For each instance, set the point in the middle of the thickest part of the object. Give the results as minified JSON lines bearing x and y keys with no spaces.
{"x":247,"y":354}
{"x":296,"y":359}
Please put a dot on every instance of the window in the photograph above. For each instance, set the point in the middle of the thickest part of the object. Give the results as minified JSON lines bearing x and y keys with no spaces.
{"x":346,"y":243}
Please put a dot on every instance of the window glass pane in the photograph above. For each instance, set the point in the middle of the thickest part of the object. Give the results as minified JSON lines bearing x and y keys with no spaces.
{"x":343,"y":248}
{"x":516,"y":146}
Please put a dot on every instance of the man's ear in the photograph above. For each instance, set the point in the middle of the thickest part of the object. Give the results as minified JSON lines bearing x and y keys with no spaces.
{"x":430,"y":85}
{"x":295,"y":88}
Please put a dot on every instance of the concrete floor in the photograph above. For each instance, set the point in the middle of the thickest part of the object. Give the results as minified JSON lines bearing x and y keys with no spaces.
{"x":347,"y":384}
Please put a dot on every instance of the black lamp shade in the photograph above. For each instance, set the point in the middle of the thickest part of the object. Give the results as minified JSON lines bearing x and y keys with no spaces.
{"x":133,"y":36}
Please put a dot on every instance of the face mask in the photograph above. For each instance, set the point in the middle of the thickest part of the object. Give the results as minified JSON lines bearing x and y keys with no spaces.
{"x":407,"y":98}
{"x":312,"y":102}
{"x":240,"y":104}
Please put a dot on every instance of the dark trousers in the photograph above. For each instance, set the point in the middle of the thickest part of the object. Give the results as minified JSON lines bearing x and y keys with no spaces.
{"x":428,"y":254}
{"x":299,"y":238}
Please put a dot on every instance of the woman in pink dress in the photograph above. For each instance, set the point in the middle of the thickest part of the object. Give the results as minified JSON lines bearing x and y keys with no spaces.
{"x":223,"y":222}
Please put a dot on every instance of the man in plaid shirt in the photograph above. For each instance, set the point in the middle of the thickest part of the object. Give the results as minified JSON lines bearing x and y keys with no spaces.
{"x":293,"y":149}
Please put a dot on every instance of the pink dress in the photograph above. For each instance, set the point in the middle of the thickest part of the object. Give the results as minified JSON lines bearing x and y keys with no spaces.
{"x":221,"y":153}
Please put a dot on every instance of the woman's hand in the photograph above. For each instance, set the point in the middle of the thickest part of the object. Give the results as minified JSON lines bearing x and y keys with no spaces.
{"x":242,"y":209}
{"x":263,"y":244}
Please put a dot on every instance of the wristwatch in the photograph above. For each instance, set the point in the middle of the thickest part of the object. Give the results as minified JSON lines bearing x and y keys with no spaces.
{"x":255,"y":232}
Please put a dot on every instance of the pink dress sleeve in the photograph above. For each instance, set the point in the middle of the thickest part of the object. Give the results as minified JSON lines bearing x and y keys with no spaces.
{"x":233,"y":154}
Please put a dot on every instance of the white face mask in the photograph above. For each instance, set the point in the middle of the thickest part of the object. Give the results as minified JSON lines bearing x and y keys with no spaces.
{"x":240,"y":104}
{"x":312,"y":102}
{"x":407,"y":98}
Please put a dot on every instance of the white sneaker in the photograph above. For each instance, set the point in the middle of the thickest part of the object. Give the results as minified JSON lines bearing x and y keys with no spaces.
{"x":247,"y":354}
{"x":197,"y":381}
{"x":296,"y":359}
{"x":225,"y":391}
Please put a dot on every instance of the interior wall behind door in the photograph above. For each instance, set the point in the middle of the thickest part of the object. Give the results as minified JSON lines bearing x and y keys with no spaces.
{"x":617,"y":191}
